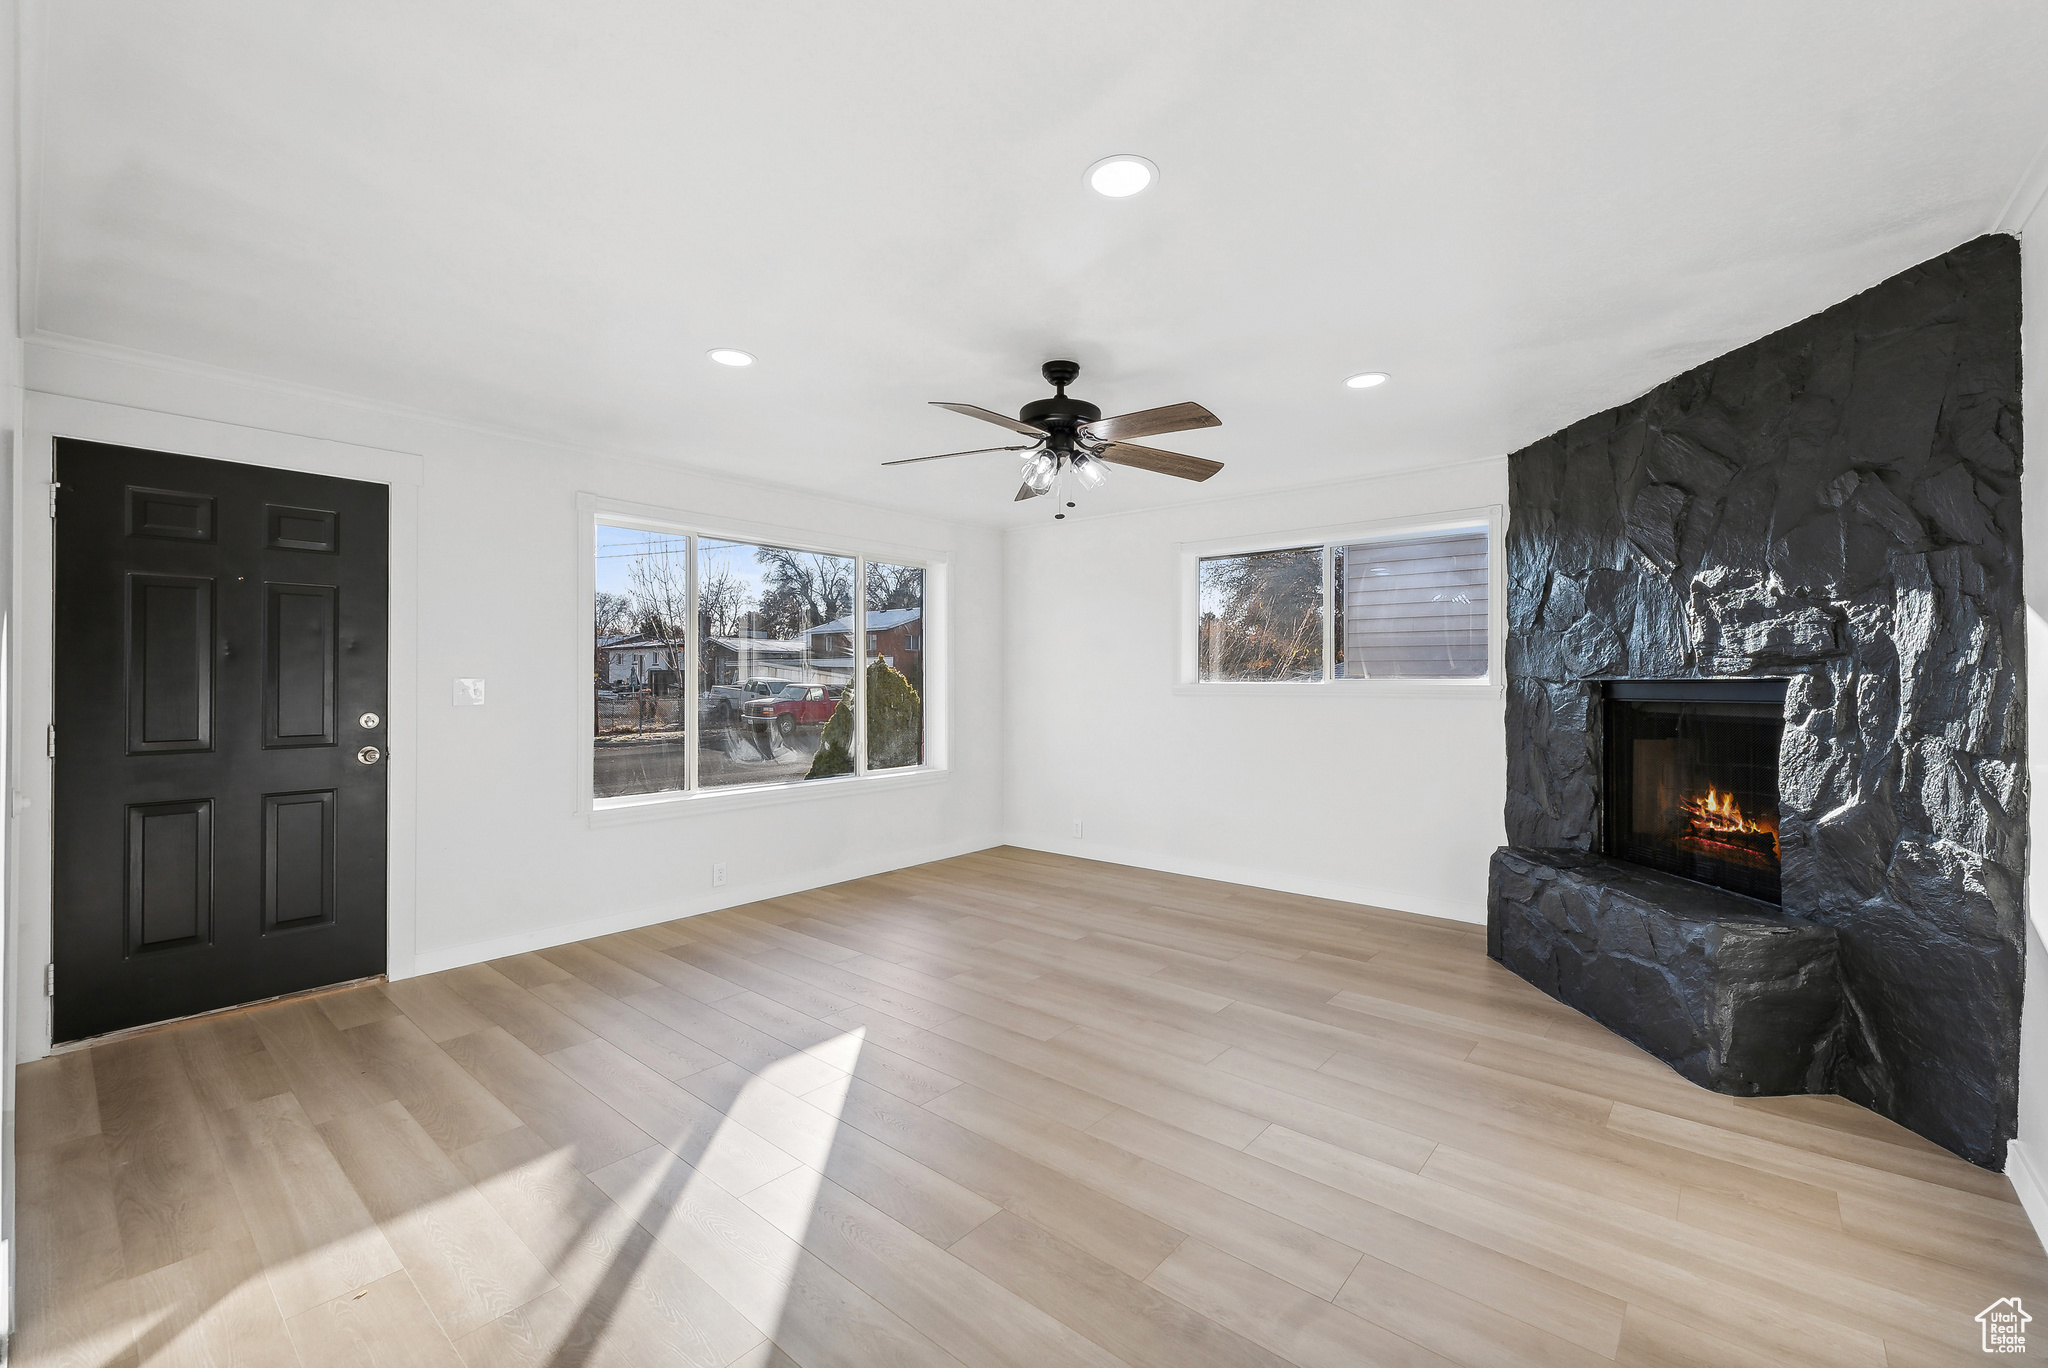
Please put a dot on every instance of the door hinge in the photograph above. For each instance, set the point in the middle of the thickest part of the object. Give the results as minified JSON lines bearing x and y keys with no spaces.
{"x":49,"y":980}
{"x":54,"y":487}
{"x":50,"y":742}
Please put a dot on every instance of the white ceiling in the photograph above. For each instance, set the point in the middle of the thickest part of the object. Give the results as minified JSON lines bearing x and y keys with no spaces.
{"x":539,"y":215}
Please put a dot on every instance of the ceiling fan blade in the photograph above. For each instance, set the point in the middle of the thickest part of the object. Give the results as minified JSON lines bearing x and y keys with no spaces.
{"x":947,"y":455}
{"x":991,"y":416}
{"x":1153,"y":422}
{"x":1025,"y":491}
{"x":1164,"y":462}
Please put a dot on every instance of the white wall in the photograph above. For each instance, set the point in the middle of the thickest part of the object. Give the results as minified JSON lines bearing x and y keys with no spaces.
{"x":503,"y":861}
{"x":1394,"y":801}
{"x":10,"y":432}
{"x":2027,"y":1157}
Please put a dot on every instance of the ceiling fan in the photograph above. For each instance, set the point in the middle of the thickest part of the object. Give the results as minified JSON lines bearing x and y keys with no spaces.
{"x":1072,"y":434}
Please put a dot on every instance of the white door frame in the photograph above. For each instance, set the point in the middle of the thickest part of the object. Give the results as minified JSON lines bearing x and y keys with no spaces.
{"x":49,"y":416}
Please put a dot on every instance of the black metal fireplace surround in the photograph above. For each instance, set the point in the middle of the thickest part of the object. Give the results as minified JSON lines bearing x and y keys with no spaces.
{"x":1691,"y":779}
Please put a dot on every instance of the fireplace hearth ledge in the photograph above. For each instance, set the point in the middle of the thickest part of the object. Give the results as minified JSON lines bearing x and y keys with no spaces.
{"x":1733,"y":993}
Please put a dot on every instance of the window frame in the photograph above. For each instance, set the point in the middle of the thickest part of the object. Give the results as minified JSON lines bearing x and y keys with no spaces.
{"x":1187,"y":677}
{"x":592,"y":509}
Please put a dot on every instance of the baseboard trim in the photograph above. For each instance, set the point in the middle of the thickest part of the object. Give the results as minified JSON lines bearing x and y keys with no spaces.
{"x":2026,"y":1179}
{"x":1366,"y":895}
{"x":565,"y":933}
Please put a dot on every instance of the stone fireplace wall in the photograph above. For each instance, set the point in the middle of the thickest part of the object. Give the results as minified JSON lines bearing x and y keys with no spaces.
{"x":1838,"y":503}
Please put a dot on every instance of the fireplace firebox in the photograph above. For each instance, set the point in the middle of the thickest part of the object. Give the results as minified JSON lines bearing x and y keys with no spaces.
{"x":1691,"y":782}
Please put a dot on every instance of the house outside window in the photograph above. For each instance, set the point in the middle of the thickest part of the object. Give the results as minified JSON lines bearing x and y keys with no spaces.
{"x":1412,"y":607}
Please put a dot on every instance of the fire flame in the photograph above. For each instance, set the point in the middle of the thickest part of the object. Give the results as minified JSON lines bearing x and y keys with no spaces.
{"x":1718,"y":815}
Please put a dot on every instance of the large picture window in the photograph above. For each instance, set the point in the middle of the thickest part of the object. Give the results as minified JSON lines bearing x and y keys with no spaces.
{"x":1404,"y":605}
{"x":721,"y":663}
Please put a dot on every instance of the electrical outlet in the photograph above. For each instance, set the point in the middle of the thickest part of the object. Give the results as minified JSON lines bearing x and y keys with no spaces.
{"x":1077,"y":830}
{"x":718,"y":874}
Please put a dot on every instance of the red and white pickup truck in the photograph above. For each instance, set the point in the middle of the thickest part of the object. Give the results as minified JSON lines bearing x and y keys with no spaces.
{"x":798,"y":705}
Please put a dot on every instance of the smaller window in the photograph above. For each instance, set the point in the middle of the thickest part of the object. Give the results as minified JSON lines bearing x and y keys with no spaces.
{"x":1404,"y":605}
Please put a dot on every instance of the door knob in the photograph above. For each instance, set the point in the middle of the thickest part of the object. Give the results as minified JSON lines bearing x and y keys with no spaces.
{"x":369,"y":755}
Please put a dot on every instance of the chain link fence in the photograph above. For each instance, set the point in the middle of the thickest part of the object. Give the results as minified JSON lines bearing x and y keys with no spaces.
{"x":637,"y":714}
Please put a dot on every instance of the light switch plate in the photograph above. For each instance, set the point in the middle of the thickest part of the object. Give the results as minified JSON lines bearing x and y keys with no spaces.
{"x":469,"y":693}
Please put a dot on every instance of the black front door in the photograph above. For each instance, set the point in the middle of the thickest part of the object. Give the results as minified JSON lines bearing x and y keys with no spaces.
{"x":220,"y":734}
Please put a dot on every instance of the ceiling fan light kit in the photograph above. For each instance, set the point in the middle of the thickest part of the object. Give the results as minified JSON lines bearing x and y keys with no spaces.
{"x":1073,"y":435}
{"x":1039,"y":471}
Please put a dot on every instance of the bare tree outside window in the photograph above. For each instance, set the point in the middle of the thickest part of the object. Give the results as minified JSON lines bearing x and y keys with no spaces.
{"x":1262,"y":616}
{"x":804,"y":589}
{"x":723,"y":602}
{"x":640,"y":616}
{"x":660,"y":593}
{"x":612,"y":616}
{"x":894,"y":586}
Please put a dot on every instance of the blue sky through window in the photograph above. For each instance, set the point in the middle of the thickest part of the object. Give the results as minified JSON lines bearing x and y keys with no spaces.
{"x":619,"y":547}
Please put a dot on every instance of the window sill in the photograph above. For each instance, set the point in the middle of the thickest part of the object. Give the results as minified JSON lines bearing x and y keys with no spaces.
{"x":647,"y":807}
{"x":1346,"y":689}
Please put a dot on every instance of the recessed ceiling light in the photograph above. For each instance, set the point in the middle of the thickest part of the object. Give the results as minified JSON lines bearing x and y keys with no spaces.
{"x":730,"y":356}
{"x":1367,"y":379}
{"x":1122,"y":176}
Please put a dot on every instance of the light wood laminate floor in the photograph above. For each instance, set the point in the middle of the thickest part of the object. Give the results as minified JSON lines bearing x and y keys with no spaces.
{"x":1009,"y":1109}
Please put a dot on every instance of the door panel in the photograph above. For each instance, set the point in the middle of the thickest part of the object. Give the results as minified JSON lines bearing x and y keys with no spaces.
{"x":217,"y":840}
{"x":170,"y":874}
{"x":169,"y":513}
{"x":170,"y":663}
{"x":299,"y":668}
{"x":303,"y":529}
{"x":298,"y":859}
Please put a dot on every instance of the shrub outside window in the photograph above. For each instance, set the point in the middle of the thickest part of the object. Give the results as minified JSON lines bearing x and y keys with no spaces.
{"x":722,"y":663}
{"x":1409,"y":605}
{"x":895,"y":665}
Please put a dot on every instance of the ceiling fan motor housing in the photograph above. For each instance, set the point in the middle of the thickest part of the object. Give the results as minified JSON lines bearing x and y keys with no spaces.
{"x":1059,"y":415}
